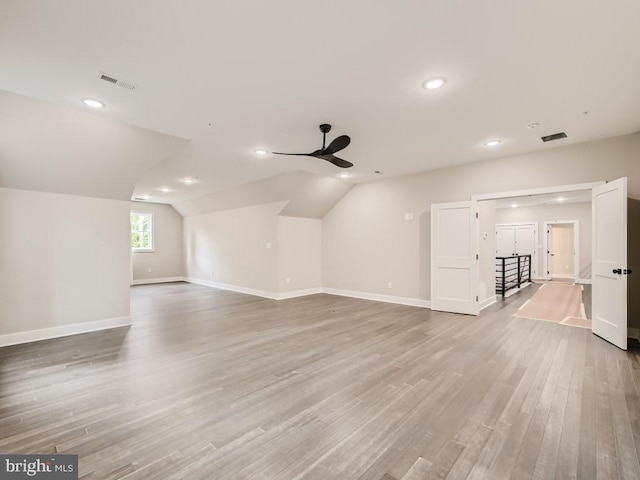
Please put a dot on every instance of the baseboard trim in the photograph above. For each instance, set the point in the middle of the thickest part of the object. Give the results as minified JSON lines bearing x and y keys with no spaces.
{"x":148,"y":281}
{"x":487,"y":302}
{"x":562,"y":275}
{"x":62,"y":331}
{"x":232,"y":288}
{"x":412,"y":302}
{"x":633,"y":333}
{"x":298,"y":293}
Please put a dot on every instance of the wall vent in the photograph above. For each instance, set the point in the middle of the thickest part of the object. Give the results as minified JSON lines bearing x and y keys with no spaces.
{"x":555,"y":136}
{"x":117,"y":81}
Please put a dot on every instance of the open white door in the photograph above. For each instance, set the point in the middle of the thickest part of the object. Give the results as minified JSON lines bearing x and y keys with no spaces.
{"x":610,"y":262}
{"x":454,"y":257}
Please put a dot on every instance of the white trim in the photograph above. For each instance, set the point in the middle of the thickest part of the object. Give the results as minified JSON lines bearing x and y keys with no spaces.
{"x":633,"y":333}
{"x":586,"y":281}
{"x":516,"y":224}
{"x":62,"y":331}
{"x":537,"y":191}
{"x":147,"y":281}
{"x":563,"y":276}
{"x":232,"y":288}
{"x":412,"y":302}
{"x":487,"y":302}
{"x":576,"y":248}
{"x":298,"y":293}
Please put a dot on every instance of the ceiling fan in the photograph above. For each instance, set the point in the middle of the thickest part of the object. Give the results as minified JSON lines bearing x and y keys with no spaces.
{"x":327,"y":153}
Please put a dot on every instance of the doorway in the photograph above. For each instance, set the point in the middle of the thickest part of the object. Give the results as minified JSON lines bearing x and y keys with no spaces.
{"x":562,"y":246}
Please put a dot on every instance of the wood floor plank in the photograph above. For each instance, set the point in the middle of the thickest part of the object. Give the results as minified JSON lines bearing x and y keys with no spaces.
{"x":210,"y":384}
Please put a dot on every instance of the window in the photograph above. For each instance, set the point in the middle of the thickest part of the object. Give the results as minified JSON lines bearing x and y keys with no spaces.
{"x":142,"y":231}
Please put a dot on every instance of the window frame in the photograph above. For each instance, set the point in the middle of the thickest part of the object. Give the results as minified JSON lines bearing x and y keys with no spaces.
{"x":152,"y":235}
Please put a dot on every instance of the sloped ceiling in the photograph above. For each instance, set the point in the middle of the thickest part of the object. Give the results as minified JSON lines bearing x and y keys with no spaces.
{"x":48,"y":148}
{"x":308,"y":195}
{"x":233,"y":76}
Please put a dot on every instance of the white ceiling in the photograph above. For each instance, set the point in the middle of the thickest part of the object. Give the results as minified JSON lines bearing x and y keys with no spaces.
{"x":48,"y":148}
{"x":266,"y":74}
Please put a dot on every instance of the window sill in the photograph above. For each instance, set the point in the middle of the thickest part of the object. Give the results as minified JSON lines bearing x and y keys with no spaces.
{"x":142,"y":250}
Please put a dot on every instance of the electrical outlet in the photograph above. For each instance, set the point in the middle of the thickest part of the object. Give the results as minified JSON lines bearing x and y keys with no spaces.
{"x":389,"y":285}
{"x":268,"y":245}
{"x":288,"y":280}
{"x":149,"y":270}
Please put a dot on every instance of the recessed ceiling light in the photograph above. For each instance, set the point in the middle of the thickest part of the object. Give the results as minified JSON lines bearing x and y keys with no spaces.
{"x":165,"y":189}
{"x":514,"y":205}
{"x":434,"y":83}
{"x":561,"y":199}
{"x":188,"y":180}
{"x":492,"y":143}
{"x":344,"y":175}
{"x":90,"y":102}
{"x":261,"y":151}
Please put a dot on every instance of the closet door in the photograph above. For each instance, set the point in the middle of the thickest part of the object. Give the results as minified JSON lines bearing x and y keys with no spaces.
{"x":505,"y":240}
{"x":526,"y":241}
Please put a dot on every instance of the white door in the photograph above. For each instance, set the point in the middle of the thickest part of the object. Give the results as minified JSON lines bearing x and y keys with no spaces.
{"x":610,"y":262}
{"x":454,"y":257}
{"x":505,"y":241}
{"x":526,"y":241}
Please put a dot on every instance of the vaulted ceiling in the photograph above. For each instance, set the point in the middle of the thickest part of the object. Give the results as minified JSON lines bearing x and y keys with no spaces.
{"x":217,"y":80}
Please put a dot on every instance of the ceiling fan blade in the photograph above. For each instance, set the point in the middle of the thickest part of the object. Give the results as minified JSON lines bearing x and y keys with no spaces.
{"x":297,"y":154}
{"x":338,"y":162}
{"x":338,"y":144}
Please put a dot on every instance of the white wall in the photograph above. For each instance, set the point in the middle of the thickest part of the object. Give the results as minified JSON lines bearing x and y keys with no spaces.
{"x":230,"y":247}
{"x":299,"y":254}
{"x":165,"y":261}
{"x":549,"y":213}
{"x":64,"y":261}
{"x":366,"y":241}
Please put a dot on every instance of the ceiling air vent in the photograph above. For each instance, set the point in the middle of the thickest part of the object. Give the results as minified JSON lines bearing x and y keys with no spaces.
{"x":117,"y":81}
{"x":555,"y":136}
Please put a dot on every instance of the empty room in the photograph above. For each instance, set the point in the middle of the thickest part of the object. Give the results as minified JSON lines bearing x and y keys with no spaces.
{"x":336,"y":240}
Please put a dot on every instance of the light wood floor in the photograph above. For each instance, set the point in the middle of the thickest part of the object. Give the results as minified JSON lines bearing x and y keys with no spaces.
{"x":210,"y":384}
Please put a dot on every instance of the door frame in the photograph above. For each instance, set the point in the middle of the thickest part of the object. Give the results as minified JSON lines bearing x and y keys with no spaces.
{"x":576,"y":247}
{"x":537,"y":191}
